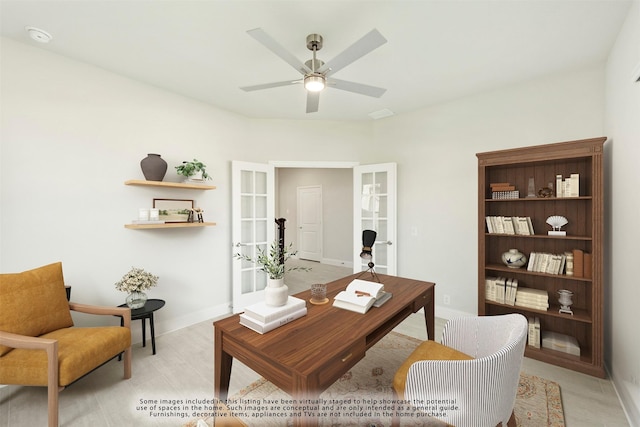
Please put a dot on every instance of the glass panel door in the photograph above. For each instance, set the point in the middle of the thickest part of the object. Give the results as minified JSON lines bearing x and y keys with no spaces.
{"x":375,"y":209}
{"x":253,"y":216}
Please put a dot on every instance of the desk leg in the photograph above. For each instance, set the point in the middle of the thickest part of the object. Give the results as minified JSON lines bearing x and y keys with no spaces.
{"x":302,"y":392}
{"x":222,"y":367}
{"x":429,"y":316}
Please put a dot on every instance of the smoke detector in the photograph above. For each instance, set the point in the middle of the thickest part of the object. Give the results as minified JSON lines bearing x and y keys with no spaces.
{"x":38,"y":35}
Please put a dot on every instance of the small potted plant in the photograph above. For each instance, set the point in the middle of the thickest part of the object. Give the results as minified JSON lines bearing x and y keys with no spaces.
{"x":135,"y":282}
{"x":193,"y":171}
{"x":269,"y":262}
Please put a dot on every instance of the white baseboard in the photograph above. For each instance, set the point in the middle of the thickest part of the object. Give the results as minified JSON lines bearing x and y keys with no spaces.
{"x":450,"y":313}
{"x":173,"y":324}
{"x":629,"y":397}
{"x":337,"y":262}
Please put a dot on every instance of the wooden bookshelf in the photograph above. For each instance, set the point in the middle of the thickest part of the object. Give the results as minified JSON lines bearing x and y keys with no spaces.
{"x":584,"y":231}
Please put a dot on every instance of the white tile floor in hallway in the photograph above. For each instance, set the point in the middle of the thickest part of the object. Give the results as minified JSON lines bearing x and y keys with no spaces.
{"x":183,"y":367}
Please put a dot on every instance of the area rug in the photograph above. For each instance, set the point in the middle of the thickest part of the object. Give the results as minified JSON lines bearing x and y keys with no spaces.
{"x":361,"y":396}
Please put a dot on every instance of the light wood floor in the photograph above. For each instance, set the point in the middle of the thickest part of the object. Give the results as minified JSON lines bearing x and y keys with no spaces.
{"x":183,"y":368}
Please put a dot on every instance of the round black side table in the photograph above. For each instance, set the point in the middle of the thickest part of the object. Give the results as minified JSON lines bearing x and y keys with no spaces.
{"x":143,"y":313}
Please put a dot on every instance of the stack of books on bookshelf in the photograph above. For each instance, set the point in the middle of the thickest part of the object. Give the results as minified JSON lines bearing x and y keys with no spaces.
{"x":504,"y":190}
{"x":534,"y":332}
{"x":501,"y":290}
{"x":568,"y":187}
{"x":542,"y":262}
{"x":263,"y":318}
{"x":510,"y":225}
{"x":537,"y":299}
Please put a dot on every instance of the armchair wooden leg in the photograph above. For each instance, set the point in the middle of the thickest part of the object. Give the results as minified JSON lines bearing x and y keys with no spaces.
{"x":127,"y":363}
{"x":52,"y":383}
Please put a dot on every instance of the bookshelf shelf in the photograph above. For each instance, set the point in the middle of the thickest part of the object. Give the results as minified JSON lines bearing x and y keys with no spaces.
{"x":584,"y":235}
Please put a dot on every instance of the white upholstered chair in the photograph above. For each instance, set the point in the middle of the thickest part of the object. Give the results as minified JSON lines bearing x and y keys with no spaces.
{"x":484,"y":387}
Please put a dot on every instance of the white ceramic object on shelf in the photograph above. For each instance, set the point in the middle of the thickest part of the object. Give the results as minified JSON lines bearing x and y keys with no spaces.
{"x":556,"y":222}
{"x":513,"y":258}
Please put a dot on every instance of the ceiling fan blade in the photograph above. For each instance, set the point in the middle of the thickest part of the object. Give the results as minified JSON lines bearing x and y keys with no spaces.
{"x":372,"y":40}
{"x":275,"y":47}
{"x":313,"y":99}
{"x":270,"y":85}
{"x":360,"y":88}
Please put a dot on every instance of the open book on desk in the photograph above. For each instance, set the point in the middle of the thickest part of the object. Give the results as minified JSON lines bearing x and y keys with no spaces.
{"x":361,"y":295}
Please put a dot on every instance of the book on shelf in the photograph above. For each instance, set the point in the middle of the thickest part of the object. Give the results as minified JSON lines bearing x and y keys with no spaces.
{"x":578,"y":263}
{"x":568,"y":187}
{"x":534,"y":332}
{"x":146,"y":221}
{"x":506,"y":187}
{"x":515,"y":194}
{"x":537,"y":299}
{"x":264,"y":327}
{"x":264,"y":313}
{"x":497,"y":224}
{"x":586,"y":266}
{"x":359,"y":296}
{"x":500,"y":289}
{"x":543,"y":262}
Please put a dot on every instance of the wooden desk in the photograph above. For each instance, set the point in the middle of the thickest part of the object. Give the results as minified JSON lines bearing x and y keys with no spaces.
{"x":306,"y":356}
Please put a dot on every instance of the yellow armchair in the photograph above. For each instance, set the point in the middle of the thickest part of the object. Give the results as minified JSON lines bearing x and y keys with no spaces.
{"x":39,"y":346}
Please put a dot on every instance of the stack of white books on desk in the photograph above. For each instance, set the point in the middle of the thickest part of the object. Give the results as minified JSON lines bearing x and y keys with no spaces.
{"x":263,"y":318}
{"x":537,"y":299}
{"x":361,"y":295}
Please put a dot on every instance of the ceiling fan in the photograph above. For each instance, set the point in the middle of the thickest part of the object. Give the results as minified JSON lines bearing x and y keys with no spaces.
{"x":316,"y":73}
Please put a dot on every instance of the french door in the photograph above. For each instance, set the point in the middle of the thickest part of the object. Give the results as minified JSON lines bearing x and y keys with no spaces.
{"x":374,"y":208}
{"x":253,"y":213}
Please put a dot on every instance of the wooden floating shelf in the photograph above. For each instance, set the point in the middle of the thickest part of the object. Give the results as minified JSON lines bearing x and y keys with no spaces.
{"x":170,"y":225}
{"x":183,"y":185}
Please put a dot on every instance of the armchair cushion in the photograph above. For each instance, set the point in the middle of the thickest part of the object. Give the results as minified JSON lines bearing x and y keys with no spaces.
{"x":80,"y":350}
{"x":28,"y":308}
{"x":428,"y":350}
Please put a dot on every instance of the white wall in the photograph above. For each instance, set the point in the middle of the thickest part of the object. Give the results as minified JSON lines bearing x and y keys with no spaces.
{"x":437,"y":168}
{"x":71,"y":134}
{"x":623,"y":206}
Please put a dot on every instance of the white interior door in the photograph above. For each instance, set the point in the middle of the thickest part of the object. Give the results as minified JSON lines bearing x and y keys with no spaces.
{"x":309,"y":207}
{"x":374,"y":208}
{"x":253,"y":217}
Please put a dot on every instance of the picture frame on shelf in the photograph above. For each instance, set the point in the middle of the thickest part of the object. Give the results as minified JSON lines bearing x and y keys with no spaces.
{"x":173,"y":210}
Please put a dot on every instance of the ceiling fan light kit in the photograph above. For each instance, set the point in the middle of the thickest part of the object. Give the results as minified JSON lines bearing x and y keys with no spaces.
{"x":315,"y":72}
{"x":314,"y":82}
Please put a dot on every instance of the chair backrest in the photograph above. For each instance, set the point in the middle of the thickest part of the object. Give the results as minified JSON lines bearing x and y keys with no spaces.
{"x":485,"y":387}
{"x":481,"y":336}
{"x":33,"y":302}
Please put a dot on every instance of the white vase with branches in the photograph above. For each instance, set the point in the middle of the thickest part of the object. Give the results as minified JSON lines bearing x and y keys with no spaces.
{"x":272,"y":262}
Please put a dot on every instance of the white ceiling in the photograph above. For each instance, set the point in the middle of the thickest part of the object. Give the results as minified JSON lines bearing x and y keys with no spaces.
{"x":436,"y":50}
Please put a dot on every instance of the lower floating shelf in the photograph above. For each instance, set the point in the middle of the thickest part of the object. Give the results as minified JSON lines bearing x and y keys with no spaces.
{"x":170,"y":225}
